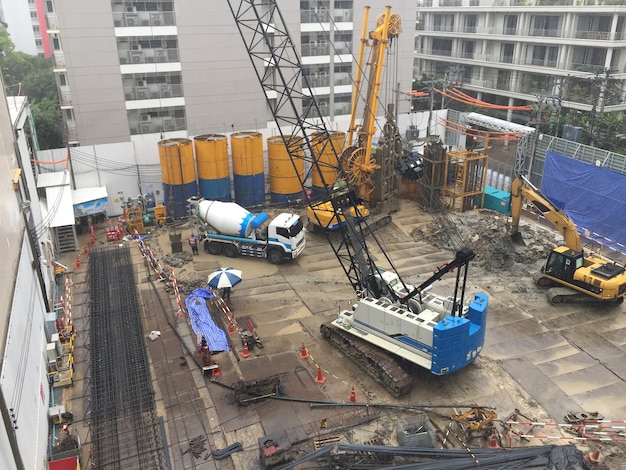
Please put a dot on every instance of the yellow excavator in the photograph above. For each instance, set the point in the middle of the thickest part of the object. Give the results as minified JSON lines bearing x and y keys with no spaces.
{"x":569,"y":273}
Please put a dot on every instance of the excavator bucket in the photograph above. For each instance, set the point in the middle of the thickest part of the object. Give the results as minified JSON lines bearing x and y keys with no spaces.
{"x":517,"y":238}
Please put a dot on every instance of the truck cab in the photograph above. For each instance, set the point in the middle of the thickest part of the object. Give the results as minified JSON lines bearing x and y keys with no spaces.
{"x":287,"y":232}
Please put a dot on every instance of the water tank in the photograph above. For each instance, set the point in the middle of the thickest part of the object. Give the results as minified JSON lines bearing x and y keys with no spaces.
{"x":248,"y":175}
{"x":212,"y":163}
{"x":285,"y":178}
{"x":327,"y":149}
{"x":178,"y":171}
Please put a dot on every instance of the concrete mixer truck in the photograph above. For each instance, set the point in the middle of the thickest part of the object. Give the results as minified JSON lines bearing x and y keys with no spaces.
{"x":231,"y":230}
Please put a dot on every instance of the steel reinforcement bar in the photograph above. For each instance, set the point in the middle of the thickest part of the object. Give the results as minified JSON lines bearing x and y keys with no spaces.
{"x":125,"y":429}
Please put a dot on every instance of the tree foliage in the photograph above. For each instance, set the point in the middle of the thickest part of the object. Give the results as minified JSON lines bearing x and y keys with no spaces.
{"x":32,"y":76}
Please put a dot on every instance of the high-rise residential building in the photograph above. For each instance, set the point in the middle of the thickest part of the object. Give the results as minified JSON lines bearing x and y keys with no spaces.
{"x":25,"y":21}
{"x":135,"y":70}
{"x":571,"y":53}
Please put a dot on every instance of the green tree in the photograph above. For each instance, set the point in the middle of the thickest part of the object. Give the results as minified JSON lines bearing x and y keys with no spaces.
{"x":47,"y":117}
{"x":32,"y":76}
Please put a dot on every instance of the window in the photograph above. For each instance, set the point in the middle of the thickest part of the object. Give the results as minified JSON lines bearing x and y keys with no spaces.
{"x":470,"y":23}
{"x":510,"y":24}
{"x":444,"y":23}
{"x":62,"y":79}
{"x":506,"y":53}
{"x":56,"y":44}
{"x":547,"y":26}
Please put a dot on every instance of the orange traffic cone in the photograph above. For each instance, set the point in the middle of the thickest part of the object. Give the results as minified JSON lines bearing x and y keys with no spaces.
{"x":86,"y":250}
{"x":78,"y":265}
{"x":352,"y":396}
{"x":492,"y":443}
{"x":245,"y":352}
{"x":217,"y":372}
{"x":320,"y":379}
{"x":231,"y":327}
{"x":304,"y":353}
{"x":593,"y":458}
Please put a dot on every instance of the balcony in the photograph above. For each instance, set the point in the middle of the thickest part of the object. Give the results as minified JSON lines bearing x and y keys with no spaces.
{"x":65,"y":98}
{"x":594,"y":35}
{"x":149,"y":124}
{"x":144,"y":91}
{"x":540,"y":62}
{"x":59,"y":59}
{"x":443,"y":52}
{"x":148,"y":56}
{"x":143,"y":18}
{"x":51,"y":22}
{"x":546,"y":33}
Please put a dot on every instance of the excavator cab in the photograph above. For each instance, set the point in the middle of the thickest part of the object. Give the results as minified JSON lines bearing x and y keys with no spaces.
{"x":563,"y":263}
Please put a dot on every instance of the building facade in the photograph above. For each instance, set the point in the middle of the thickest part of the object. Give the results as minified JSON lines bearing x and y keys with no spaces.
{"x":133,"y":70}
{"x":571,"y":53}
{"x":25,"y":21}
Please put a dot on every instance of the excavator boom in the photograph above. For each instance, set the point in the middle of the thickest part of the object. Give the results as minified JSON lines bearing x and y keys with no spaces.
{"x":522,"y":188}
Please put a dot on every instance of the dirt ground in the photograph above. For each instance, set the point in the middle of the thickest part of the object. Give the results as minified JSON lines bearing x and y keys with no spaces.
{"x":501,"y":268}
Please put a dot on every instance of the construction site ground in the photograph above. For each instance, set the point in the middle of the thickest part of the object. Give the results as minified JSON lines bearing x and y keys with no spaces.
{"x":540,"y":361}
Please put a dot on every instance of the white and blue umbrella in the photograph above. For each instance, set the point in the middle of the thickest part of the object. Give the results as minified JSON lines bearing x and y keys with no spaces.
{"x":224,"y":277}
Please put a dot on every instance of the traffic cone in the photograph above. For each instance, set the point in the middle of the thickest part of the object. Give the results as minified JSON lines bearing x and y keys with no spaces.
{"x":352,"y":396}
{"x":217,"y":372}
{"x":86,"y":250}
{"x":320,"y":379}
{"x":593,"y":458}
{"x":245,"y":352}
{"x":78,"y":265}
{"x":231,"y":327}
{"x":492,"y":443}
{"x":304,"y":353}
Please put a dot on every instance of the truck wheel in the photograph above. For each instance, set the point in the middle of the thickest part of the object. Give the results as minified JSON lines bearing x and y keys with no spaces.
{"x":230,"y":251}
{"x":215,"y":248}
{"x":275,"y":256}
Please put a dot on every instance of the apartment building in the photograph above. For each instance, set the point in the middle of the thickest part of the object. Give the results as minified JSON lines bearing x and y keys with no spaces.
{"x":25,"y":21}
{"x":568,"y":52}
{"x":140,"y":71}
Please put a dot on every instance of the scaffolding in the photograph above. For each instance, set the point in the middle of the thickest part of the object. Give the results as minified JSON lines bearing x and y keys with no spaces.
{"x":126,"y":432}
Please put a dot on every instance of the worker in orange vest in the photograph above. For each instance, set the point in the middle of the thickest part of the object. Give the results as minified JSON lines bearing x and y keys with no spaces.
{"x":193,"y":243}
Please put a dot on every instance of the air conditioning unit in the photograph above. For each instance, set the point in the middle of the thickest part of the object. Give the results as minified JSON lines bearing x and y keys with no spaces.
{"x":168,"y":124}
{"x":146,"y":128}
{"x":146,"y":118}
{"x":143,"y":94}
{"x":137,"y":58}
{"x":141,"y":83}
{"x":166,"y":91}
{"x":135,"y":47}
{"x":573,"y":133}
{"x":131,"y":21}
{"x":131,"y":9}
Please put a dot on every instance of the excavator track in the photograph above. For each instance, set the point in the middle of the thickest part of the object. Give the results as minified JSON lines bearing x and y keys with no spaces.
{"x":378,"y":364}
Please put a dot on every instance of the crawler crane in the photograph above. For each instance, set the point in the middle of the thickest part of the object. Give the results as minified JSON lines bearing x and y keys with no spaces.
{"x":570,"y":274}
{"x":389,"y":322}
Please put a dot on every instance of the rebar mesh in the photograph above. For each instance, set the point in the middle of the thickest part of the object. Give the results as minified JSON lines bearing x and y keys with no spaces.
{"x":125,"y":428}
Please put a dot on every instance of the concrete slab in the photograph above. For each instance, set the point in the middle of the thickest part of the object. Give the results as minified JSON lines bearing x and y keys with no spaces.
{"x":609,"y":401}
{"x":566,"y":365}
{"x":548,"y":394}
{"x":585,"y":380}
{"x":521,"y":346}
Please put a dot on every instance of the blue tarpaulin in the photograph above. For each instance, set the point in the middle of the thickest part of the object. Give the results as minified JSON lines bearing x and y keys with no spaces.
{"x":201,"y":321}
{"x":594,"y":198}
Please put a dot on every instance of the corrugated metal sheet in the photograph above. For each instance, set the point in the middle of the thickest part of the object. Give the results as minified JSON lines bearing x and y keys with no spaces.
{"x":89,"y":194}
{"x":60,"y":206}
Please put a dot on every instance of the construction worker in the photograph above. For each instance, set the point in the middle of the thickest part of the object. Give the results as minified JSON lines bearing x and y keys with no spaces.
{"x":193,"y":243}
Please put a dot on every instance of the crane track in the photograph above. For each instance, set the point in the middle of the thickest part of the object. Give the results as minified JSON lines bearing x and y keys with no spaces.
{"x":378,"y":364}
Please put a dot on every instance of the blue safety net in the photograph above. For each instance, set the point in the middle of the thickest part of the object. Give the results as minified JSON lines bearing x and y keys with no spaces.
{"x":201,"y":321}
{"x":594,"y":198}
